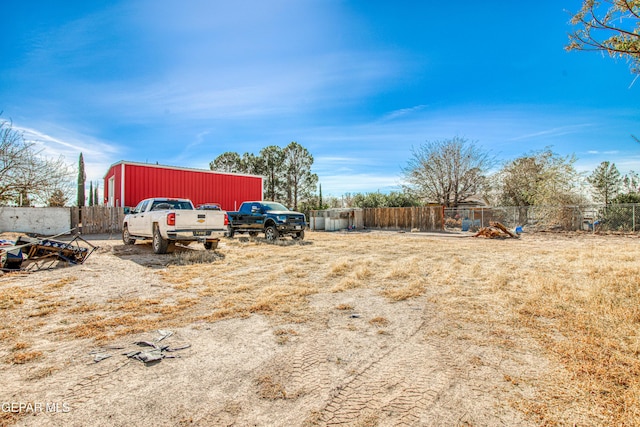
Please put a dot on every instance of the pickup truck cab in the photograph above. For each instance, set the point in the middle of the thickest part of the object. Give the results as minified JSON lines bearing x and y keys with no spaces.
{"x":168,"y":221}
{"x":271,"y":218}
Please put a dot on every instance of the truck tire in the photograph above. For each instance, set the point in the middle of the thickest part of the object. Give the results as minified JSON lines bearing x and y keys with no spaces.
{"x":160,"y":244}
{"x":299,"y":235}
{"x":126,"y":237}
{"x":211,"y":244}
{"x":230,"y":231}
{"x":271,"y":233}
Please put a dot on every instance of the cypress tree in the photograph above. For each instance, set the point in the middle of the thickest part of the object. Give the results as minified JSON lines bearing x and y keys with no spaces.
{"x":82,"y":177}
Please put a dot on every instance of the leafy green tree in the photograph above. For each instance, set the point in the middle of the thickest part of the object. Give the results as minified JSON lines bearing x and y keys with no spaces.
{"x":271,"y":167}
{"x":300,"y":181}
{"x":90,"y":193}
{"x":57,"y":199}
{"x":626,"y":198}
{"x":228,"y":162}
{"x":252,"y":164}
{"x":380,"y":200}
{"x":402,"y":200}
{"x":605,"y":181}
{"x":287,"y":172}
{"x":631,"y":183}
{"x":541,"y":178}
{"x":611,"y":26}
{"x":447,"y":172}
{"x":369,"y":200}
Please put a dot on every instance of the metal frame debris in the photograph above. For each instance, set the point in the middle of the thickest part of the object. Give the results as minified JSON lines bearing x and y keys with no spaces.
{"x":45,"y":253}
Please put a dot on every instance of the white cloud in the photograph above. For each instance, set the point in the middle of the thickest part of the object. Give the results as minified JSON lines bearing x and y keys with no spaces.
{"x":403,"y":112}
{"x":553,"y":132}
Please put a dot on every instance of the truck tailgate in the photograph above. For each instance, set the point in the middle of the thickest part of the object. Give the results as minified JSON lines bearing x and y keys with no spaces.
{"x":199,"y":220}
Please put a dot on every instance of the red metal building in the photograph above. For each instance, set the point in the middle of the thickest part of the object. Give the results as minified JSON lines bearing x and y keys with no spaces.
{"x":127,"y":183}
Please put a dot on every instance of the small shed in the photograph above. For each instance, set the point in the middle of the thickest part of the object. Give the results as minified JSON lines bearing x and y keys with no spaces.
{"x":127,"y":183}
{"x":337,"y":219}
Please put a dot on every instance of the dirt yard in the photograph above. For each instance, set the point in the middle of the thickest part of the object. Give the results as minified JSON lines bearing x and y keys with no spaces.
{"x":357,"y":329}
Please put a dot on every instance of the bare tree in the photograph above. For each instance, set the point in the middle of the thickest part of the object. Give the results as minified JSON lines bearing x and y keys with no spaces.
{"x":14,"y":152}
{"x":611,"y":26}
{"x":448,"y":172}
{"x":24,"y":173}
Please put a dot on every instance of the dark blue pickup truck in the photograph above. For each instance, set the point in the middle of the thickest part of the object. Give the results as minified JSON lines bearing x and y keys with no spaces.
{"x":272,"y":218}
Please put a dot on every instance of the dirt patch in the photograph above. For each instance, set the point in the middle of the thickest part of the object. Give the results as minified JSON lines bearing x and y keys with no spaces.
{"x":341,"y":329}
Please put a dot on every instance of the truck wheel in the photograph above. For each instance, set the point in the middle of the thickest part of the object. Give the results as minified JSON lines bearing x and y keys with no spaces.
{"x":126,"y":237}
{"x":230,"y":231}
{"x":271,"y":233}
{"x":211,"y":244}
{"x":299,"y":235}
{"x":160,"y":244}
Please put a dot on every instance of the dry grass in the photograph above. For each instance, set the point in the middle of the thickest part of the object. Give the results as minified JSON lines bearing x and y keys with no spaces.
{"x":283,"y":335}
{"x":195,"y":257}
{"x":575,"y":300}
{"x":589,"y":320}
{"x":379,"y":322}
{"x":22,"y":357}
{"x":20,"y":346}
{"x":269,"y":388}
{"x":14,"y":296}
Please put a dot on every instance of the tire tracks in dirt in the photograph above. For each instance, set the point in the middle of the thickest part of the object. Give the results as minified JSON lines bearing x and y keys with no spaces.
{"x":395,"y":388}
{"x":426,"y":376}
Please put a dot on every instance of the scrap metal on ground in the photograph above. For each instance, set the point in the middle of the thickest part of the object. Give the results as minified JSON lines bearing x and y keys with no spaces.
{"x":495,"y":230}
{"x":43,"y":253}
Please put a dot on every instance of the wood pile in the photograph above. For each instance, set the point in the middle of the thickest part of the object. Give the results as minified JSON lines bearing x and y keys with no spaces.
{"x":495,"y":231}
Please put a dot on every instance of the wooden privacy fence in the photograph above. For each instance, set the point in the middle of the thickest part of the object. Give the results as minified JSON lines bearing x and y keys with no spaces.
{"x":97,"y":219}
{"x":424,"y":218}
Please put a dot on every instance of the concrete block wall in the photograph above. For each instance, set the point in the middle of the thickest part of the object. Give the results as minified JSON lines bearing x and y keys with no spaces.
{"x":43,"y":221}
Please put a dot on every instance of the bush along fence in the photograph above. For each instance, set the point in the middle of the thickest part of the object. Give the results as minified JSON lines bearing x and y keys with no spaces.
{"x":596,"y":218}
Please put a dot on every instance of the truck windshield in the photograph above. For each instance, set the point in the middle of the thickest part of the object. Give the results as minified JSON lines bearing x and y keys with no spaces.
{"x":272,"y":206}
{"x":171,"y":204}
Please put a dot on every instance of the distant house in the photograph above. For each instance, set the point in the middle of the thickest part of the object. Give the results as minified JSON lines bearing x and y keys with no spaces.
{"x":127,"y":183}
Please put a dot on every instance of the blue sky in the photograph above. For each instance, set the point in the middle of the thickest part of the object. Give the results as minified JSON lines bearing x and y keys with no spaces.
{"x":358,"y":83}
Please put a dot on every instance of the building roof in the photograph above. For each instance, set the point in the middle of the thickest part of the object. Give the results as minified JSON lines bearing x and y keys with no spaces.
{"x":183,"y":168}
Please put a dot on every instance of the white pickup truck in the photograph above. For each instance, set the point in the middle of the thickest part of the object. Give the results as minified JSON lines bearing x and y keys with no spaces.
{"x":170,"y":221}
